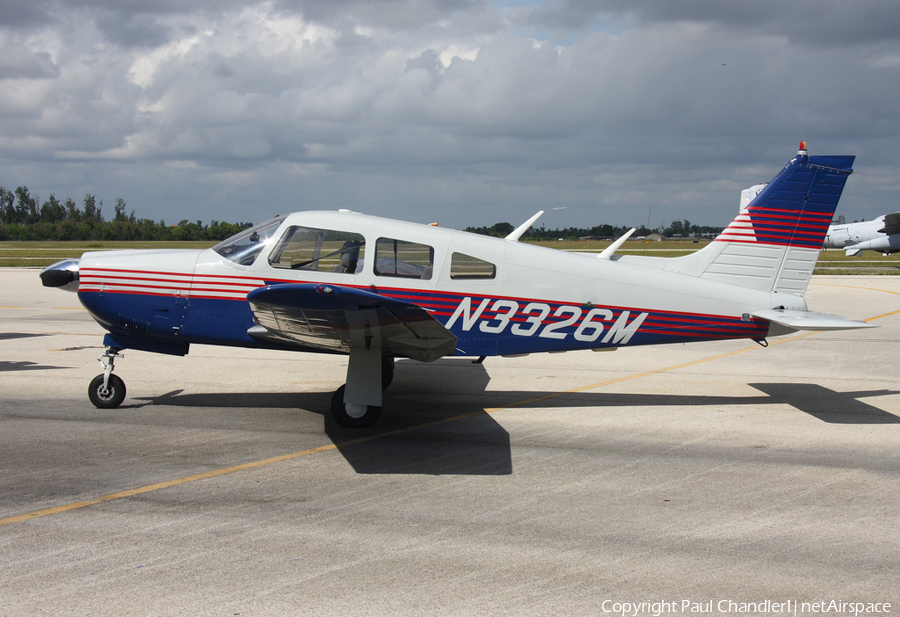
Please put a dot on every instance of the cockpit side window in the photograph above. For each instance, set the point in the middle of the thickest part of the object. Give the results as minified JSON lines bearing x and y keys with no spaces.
{"x":464,"y":266}
{"x":403,"y":259}
{"x":243,"y":248}
{"x":320,"y":250}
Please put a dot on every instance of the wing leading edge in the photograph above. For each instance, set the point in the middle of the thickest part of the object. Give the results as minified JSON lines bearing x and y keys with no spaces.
{"x":336,"y":319}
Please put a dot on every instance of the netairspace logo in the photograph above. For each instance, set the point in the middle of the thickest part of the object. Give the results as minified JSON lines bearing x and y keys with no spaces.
{"x":724,"y":607}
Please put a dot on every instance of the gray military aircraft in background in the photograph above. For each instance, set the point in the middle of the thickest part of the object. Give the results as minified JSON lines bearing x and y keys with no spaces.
{"x":881,"y":234}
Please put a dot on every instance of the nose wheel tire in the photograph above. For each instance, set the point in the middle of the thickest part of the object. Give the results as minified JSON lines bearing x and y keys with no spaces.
{"x":108,"y":397}
{"x":350,"y":415}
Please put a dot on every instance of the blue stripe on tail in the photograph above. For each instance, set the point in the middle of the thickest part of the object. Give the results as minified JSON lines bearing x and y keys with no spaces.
{"x":797,"y":206}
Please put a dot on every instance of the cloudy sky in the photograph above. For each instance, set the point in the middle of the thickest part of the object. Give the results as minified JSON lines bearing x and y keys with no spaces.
{"x":468,"y":112}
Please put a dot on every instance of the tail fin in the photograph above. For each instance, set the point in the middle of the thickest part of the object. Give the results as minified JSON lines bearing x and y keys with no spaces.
{"x":774,"y":243}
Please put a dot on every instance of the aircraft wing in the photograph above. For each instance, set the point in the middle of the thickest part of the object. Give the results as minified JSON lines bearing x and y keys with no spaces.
{"x":335,"y":319}
{"x":810,"y":320}
{"x":891,"y":224}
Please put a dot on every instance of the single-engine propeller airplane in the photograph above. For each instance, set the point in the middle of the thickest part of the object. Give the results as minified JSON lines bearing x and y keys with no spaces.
{"x":377,"y":289}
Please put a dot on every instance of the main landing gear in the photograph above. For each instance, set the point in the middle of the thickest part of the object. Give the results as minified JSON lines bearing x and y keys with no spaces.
{"x":357,"y":404}
{"x":362,"y":407}
{"x":107,"y":391}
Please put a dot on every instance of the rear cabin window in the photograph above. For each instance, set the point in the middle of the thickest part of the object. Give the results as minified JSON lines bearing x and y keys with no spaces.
{"x":464,"y":267}
{"x":319,"y":250}
{"x":403,"y":259}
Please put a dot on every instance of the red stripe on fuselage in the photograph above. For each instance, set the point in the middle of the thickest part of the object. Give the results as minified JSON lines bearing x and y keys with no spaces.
{"x":441,"y":303}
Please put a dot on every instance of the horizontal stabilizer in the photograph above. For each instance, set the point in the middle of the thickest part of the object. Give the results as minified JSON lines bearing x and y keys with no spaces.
{"x":810,"y":320}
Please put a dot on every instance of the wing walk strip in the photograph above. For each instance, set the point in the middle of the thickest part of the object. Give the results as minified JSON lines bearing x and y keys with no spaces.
{"x":326,"y":448}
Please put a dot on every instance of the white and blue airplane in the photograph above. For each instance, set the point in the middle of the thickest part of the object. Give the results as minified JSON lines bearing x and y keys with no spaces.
{"x":377,"y":289}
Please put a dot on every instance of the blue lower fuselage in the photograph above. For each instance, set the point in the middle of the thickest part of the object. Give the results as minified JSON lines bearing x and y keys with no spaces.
{"x":484,"y":325}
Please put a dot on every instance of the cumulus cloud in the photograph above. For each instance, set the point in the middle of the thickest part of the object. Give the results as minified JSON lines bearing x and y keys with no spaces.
{"x":460,"y":110}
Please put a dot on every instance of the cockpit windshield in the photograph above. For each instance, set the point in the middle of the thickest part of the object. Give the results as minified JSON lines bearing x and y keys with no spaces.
{"x":243,"y":248}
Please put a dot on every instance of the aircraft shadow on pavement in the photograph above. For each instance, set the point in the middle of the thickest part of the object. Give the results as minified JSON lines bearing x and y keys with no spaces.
{"x":449,"y":436}
{"x":473,"y":444}
{"x":828,"y":405}
{"x":7,"y":336}
{"x":312,"y":401}
{"x":818,"y":401}
{"x":25,"y":365}
{"x":452,"y":434}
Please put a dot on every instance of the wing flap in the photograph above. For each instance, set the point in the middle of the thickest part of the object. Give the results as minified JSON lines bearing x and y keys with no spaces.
{"x":810,"y":320}
{"x":332,"y":318}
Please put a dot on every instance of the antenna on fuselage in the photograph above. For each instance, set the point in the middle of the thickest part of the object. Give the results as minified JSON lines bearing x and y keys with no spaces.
{"x":521,"y":229}
{"x":610,"y":250}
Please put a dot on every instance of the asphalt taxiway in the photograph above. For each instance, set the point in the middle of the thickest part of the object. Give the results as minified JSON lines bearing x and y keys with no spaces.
{"x":546,"y":485}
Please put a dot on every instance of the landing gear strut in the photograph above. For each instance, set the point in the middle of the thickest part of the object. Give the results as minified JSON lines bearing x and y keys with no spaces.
{"x":362,"y":415}
{"x":107,"y":391}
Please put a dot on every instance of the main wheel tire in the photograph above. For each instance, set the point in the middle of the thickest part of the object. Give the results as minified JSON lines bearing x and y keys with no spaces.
{"x":363,"y":416}
{"x":109,"y":397}
{"x":387,"y":371}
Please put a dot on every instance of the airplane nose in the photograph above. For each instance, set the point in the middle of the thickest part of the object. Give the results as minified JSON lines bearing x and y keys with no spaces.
{"x":62,"y":274}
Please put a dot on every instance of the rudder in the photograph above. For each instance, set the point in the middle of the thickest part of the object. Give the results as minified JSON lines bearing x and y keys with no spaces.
{"x":773,"y":244}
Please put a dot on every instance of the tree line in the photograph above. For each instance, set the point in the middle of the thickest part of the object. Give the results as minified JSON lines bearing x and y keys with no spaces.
{"x":682,"y":228}
{"x":23,"y":217}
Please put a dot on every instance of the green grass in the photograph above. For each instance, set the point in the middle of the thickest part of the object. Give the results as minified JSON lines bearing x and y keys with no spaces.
{"x":41,"y":254}
{"x":832,"y":261}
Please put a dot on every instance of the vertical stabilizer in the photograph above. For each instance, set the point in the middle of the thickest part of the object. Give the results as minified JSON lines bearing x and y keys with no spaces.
{"x":774,"y":242}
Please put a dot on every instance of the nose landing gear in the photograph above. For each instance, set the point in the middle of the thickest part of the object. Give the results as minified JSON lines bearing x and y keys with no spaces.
{"x":107,"y":391}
